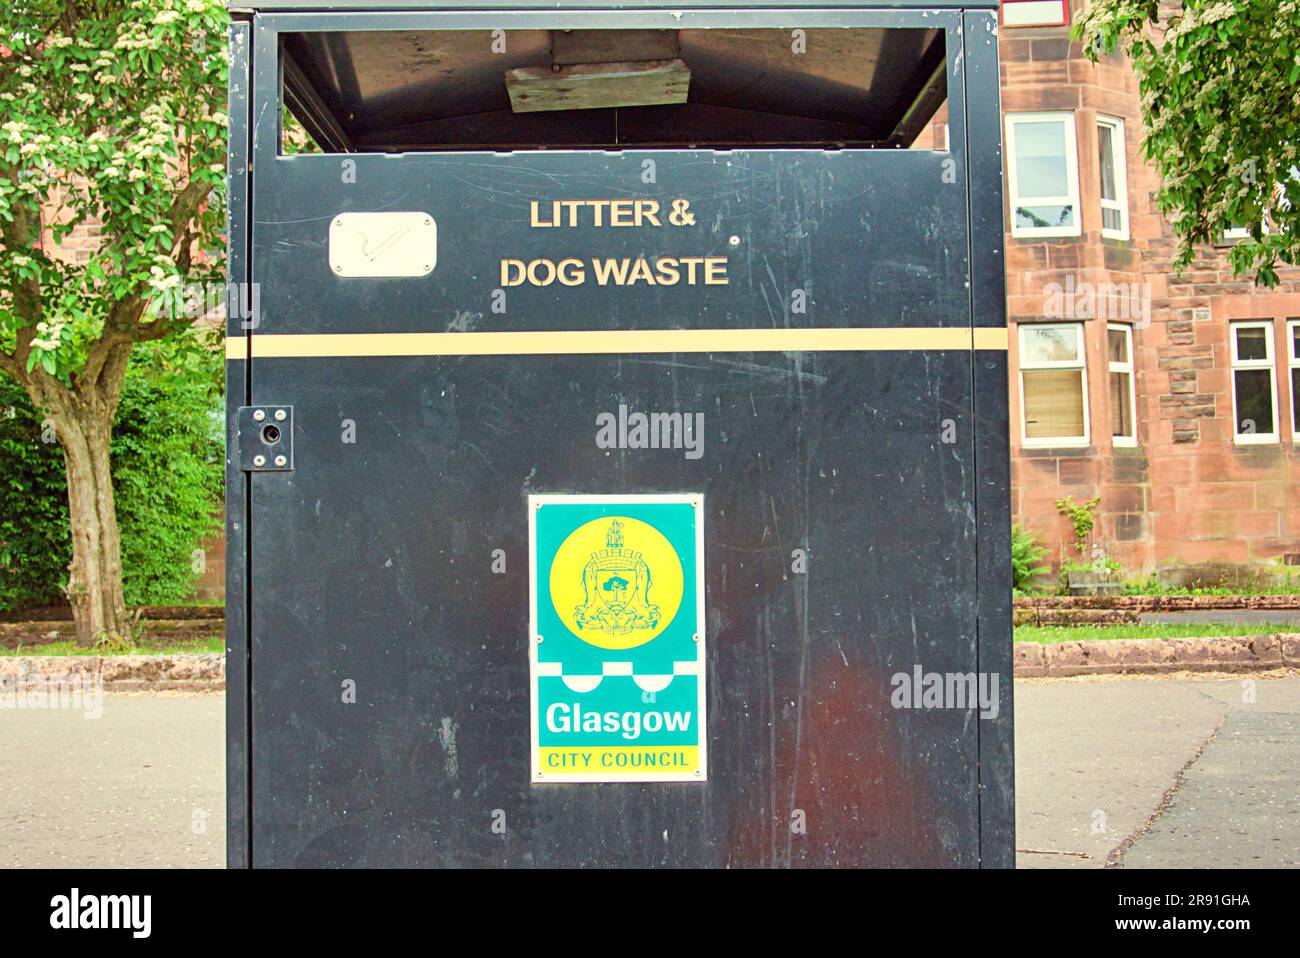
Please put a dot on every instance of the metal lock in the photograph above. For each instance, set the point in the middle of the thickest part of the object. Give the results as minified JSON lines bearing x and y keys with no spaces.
{"x":265,"y":439}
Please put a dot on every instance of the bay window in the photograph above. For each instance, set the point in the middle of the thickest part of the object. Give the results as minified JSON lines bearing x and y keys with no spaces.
{"x":1043,"y":174}
{"x":1053,"y":385}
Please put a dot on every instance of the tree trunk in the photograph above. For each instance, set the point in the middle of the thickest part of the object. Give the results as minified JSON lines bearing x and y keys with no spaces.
{"x":95,"y":580}
{"x":82,"y":414}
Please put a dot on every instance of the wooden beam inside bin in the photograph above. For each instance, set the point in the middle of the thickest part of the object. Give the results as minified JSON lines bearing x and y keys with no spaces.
{"x":595,"y":86}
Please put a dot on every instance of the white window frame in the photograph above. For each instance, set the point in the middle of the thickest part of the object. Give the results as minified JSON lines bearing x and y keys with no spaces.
{"x":1054,"y":442}
{"x":1253,"y":438}
{"x":1237,"y":234}
{"x":1071,"y":174}
{"x":1118,"y":152}
{"x":1114,"y":367}
{"x":1293,"y":362}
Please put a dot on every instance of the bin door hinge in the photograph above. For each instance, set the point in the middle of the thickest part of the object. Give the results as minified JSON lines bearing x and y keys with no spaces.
{"x":265,"y":439}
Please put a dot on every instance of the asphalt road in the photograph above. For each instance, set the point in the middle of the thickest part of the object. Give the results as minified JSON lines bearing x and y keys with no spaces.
{"x":1134,"y":772}
{"x":1154,"y":772}
{"x":141,"y":785}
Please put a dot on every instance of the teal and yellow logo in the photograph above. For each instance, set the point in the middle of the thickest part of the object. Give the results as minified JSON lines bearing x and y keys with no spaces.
{"x":616,"y":583}
{"x":616,"y":644}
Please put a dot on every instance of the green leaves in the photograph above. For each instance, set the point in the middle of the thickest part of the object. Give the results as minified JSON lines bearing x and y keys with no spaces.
{"x":1026,"y":560}
{"x":1221,"y":107}
{"x":105,"y":115}
{"x":167,"y":475}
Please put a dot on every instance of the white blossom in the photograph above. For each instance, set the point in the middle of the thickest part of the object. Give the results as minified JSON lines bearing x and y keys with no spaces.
{"x":162,"y":281}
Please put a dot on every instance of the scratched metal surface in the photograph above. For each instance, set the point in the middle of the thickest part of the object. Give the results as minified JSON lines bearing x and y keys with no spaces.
{"x":237,"y":685}
{"x":371,"y":561}
{"x":876,"y":238}
{"x":992,"y":427}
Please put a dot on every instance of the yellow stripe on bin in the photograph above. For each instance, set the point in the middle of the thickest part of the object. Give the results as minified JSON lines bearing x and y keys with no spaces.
{"x":615,"y":342}
{"x":991,"y":337}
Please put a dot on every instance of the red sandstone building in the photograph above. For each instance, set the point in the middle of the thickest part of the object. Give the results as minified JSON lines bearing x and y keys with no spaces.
{"x":1175,"y":399}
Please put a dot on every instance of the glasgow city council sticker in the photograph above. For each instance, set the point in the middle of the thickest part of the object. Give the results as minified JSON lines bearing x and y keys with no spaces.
{"x":616,"y":651}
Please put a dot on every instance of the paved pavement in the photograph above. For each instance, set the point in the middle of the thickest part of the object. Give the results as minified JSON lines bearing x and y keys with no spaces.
{"x":1158,"y":772}
{"x":1141,"y":772}
{"x":141,"y":785}
{"x":1238,"y":804}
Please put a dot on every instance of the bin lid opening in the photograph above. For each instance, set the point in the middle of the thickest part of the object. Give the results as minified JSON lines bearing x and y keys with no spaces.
{"x":410,"y":91}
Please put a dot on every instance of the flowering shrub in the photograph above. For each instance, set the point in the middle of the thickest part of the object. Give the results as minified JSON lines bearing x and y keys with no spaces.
{"x":113,"y":126}
{"x":1220,"y":85}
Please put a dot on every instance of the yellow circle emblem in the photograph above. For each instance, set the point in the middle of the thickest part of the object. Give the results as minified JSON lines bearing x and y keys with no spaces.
{"x":616,"y":582}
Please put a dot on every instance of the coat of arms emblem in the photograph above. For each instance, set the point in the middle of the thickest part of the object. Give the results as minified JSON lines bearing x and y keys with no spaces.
{"x":616,"y":585}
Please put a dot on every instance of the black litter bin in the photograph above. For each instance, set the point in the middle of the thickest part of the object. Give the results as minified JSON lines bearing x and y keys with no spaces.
{"x":618,"y":465}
